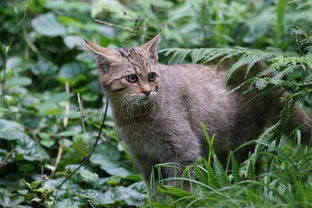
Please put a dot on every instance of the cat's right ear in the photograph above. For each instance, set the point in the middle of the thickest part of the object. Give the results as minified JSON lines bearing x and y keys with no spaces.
{"x":103,"y":54}
{"x":149,"y":49}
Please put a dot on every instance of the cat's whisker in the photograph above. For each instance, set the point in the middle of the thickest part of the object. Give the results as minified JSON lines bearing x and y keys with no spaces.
{"x":124,"y":104}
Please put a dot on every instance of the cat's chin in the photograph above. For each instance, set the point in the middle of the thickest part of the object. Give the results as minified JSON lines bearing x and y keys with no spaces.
{"x":144,"y":101}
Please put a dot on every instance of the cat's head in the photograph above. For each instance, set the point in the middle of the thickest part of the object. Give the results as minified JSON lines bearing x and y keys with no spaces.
{"x":129,"y":73}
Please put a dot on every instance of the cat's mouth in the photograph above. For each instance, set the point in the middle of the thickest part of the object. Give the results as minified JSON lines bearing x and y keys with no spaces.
{"x":142,"y":99}
{"x":137,"y":105}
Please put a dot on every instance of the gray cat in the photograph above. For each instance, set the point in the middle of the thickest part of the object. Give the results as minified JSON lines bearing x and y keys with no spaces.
{"x":158,"y":109}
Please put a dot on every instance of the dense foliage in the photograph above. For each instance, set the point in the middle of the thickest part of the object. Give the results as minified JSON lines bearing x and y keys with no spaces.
{"x":51,"y":104}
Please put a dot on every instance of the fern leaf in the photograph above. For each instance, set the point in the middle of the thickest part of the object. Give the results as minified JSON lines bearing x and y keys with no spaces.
{"x":220,"y":172}
{"x":235,"y":168}
{"x":212,"y":180}
{"x":250,"y":169}
{"x":201,"y":174}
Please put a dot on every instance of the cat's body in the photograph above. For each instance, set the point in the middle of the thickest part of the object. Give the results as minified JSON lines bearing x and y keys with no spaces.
{"x":159,"y":116}
{"x":172,"y":131}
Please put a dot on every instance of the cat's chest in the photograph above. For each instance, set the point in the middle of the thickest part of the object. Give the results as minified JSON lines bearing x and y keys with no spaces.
{"x":144,"y":139}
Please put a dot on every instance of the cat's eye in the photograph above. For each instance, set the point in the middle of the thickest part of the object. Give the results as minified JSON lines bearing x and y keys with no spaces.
{"x":132,"y":78}
{"x":152,"y":77}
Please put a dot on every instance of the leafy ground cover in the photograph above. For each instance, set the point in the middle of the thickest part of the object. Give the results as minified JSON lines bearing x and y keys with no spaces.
{"x":51,"y":104}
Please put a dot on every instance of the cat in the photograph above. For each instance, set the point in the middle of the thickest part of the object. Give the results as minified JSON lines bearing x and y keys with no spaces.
{"x":158,"y":109}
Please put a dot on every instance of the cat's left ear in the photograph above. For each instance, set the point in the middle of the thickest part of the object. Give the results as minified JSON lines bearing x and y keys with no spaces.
{"x":149,"y":49}
{"x":103,"y":54}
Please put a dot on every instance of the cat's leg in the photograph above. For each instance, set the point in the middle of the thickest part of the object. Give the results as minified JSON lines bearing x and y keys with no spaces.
{"x":173,"y":175}
{"x":145,"y":165}
{"x":183,"y":152}
{"x":302,"y":121}
{"x":150,"y":174}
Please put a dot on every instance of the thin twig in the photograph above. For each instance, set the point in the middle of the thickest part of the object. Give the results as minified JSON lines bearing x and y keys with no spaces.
{"x":86,"y":159}
{"x":65,"y":121}
{"x":89,"y":203}
{"x":29,"y":43}
{"x":113,"y":25}
{"x":82,"y":114}
{"x":58,"y":158}
{"x":5,"y":160}
{"x":4,"y":69}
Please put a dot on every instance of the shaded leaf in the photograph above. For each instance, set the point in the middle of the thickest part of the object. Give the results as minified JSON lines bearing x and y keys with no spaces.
{"x":44,"y":67}
{"x":26,"y":147}
{"x":47,"y":24}
{"x":108,"y":158}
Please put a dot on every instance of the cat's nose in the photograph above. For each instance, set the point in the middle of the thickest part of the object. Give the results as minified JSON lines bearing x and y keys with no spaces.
{"x":147,"y":93}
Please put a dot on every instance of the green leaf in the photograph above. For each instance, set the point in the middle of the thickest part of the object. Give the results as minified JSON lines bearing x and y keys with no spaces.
{"x":68,"y":203}
{"x":133,"y":195}
{"x":60,"y":97}
{"x":19,"y":81}
{"x":201,"y":174}
{"x":48,"y":25}
{"x":44,"y":67}
{"x":10,"y":130}
{"x":250,"y":169}
{"x":89,"y":97}
{"x":8,"y":200}
{"x":83,"y":174}
{"x":46,"y":140}
{"x":261,"y":83}
{"x":212,"y":180}
{"x":49,"y":108}
{"x":220,"y":172}
{"x":29,"y":150}
{"x":73,"y":41}
{"x":3,"y":55}
{"x":175,"y":193}
{"x":108,"y":158}
{"x":26,"y":147}
{"x":235,"y":168}
{"x":97,"y":197}
{"x":72,"y":72}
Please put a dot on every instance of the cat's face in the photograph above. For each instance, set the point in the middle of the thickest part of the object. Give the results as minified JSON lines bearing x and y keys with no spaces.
{"x":132,"y":77}
{"x":129,"y":75}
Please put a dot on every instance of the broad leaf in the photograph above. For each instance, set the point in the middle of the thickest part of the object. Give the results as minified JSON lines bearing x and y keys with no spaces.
{"x":26,"y":147}
{"x":108,"y":158}
{"x":47,"y":24}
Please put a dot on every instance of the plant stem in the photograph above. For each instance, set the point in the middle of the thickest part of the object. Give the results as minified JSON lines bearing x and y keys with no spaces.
{"x":279,"y":24}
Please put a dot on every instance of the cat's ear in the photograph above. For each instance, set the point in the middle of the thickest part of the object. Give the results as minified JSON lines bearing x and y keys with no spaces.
{"x":103,"y":54}
{"x":149,"y":49}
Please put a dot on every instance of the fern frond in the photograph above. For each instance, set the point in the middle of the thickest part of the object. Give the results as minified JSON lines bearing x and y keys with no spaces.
{"x":201,"y":173}
{"x":246,"y":57}
{"x":220,"y":172}
{"x":251,"y":170}
{"x":212,"y":180}
{"x":235,"y":168}
{"x":249,"y":58}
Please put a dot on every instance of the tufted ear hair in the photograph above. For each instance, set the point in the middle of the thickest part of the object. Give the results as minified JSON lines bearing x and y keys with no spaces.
{"x":103,"y":54}
{"x":149,"y":49}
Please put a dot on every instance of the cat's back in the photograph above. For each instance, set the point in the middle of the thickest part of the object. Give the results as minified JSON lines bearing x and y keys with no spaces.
{"x":203,"y":95}
{"x":195,"y":83}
